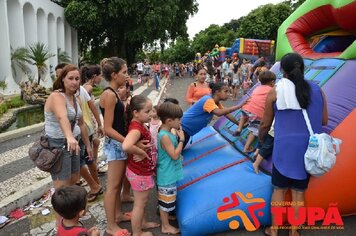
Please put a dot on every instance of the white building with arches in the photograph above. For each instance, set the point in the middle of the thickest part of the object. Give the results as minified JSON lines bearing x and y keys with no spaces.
{"x":25,"y":22}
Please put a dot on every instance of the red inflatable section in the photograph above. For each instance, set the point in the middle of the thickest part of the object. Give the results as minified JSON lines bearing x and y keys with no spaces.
{"x":339,"y":183}
{"x":317,"y":20}
{"x":256,"y":46}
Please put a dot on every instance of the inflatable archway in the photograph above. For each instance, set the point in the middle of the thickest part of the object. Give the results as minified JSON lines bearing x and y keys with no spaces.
{"x":220,"y":190}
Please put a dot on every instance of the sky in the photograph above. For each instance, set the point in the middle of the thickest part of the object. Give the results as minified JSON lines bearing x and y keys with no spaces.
{"x":220,"y":12}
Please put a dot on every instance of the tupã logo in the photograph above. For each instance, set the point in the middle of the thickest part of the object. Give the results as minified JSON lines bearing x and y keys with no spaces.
{"x":230,"y":210}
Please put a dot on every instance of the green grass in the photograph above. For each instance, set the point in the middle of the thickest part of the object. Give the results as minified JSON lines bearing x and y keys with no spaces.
{"x":13,"y":102}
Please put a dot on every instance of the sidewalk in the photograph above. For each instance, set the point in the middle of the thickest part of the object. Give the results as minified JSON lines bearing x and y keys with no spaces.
{"x":36,"y":224}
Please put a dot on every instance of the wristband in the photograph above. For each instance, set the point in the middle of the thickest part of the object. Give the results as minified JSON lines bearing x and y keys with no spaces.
{"x":181,"y":141}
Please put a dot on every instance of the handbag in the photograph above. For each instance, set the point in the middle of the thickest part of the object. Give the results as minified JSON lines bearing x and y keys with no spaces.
{"x":46,"y":158}
{"x":321,"y":153}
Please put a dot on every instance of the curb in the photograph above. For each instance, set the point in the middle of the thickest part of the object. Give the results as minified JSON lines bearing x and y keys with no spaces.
{"x":21,"y":132}
{"x":36,"y":190}
{"x":24,"y":196}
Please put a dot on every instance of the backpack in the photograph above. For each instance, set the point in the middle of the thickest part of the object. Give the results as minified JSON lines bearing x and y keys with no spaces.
{"x":321,"y":153}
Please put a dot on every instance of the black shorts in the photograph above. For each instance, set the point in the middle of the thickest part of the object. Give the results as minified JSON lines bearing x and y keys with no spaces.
{"x":84,"y":160}
{"x":280,"y":181}
{"x":267,"y":146}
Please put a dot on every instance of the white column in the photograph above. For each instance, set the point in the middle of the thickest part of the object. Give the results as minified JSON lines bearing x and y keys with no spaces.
{"x":68,"y":40}
{"x":52,"y":47}
{"x":74,"y":47}
{"x":16,"y":25}
{"x":42,"y":27}
{"x":5,"y":54}
{"x":30,"y":24}
{"x":42,"y":32}
{"x":60,"y":34}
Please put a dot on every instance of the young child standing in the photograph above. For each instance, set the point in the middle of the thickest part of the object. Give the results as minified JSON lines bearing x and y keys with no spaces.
{"x":155,"y":124}
{"x":141,"y":164}
{"x":254,"y":108}
{"x":169,"y":166}
{"x":70,"y":203}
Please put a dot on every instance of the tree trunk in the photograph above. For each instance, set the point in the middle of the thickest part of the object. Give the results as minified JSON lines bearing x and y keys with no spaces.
{"x":39,"y":77}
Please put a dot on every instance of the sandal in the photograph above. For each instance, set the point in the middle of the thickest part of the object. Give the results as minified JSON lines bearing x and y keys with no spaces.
{"x":120,"y":232}
{"x":92,"y":196}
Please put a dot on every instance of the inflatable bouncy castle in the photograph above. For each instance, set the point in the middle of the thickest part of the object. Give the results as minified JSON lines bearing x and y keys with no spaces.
{"x":253,"y":46}
{"x":220,"y":191}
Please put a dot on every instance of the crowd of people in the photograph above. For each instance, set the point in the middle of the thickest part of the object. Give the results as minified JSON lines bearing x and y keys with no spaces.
{"x":144,"y":143}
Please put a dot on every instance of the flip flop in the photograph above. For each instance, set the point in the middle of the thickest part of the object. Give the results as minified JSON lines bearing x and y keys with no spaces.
{"x":92,"y":196}
{"x":120,"y":232}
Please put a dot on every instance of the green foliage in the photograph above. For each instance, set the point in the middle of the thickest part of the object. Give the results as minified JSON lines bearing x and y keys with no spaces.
{"x":153,"y":56}
{"x":264,"y":21}
{"x":38,"y":54}
{"x":3,"y":108}
{"x":140,"y":55}
{"x":3,"y":85}
{"x":13,"y":102}
{"x":261,"y":23}
{"x":181,"y":51}
{"x":97,"y":91}
{"x":122,"y":27}
{"x":206,"y":39}
{"x":63,"y":57}
{"x":19,"y":60}
{"x":294,"y":4}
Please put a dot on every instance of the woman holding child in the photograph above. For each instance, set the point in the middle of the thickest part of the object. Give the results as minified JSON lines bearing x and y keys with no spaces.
{"x":284,"y":104}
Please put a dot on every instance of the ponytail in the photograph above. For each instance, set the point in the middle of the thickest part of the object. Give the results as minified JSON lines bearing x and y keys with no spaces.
{"x":293,"y":66}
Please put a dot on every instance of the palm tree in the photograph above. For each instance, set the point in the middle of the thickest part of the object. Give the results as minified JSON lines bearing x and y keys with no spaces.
{"x":19,"y":59}
{"x":39,"y":54}
{"x":63,"y":57}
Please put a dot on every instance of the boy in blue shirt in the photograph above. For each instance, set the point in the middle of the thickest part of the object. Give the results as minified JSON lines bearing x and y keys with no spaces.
{"x":169,"y":165}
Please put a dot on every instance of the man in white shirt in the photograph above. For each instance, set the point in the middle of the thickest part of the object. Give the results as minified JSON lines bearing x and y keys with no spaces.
{"x":140,"y":68}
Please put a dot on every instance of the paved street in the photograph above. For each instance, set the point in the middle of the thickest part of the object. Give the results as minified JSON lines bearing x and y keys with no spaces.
{"x":18,"y":172}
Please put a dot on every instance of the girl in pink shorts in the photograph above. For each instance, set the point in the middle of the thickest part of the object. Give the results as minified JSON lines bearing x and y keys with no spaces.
{"x":141,"y":164}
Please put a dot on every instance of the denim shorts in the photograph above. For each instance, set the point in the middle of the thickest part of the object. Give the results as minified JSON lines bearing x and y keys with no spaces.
{"x":84,"y":160}
{"x":70,"y":162}
{"x":113,"y":150}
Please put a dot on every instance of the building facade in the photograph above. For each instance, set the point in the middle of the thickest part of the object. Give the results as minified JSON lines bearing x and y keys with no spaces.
{"x":25,"y":22}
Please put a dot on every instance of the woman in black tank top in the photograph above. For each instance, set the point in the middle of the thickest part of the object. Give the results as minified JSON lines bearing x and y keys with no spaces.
{"x":114,"y":71}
